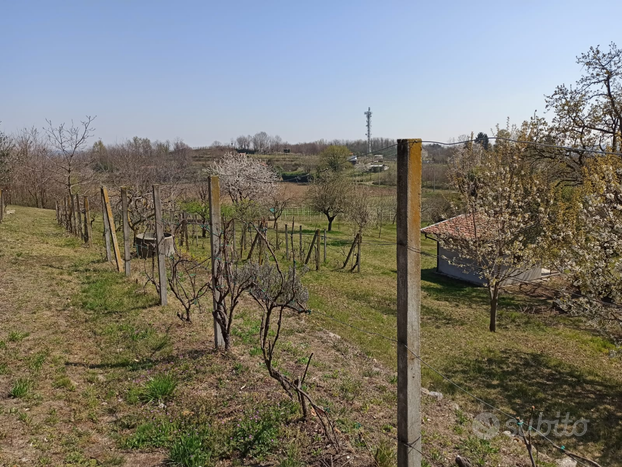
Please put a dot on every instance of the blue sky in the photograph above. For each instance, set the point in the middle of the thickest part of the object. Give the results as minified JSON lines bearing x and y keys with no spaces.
{"x":205,"y":70}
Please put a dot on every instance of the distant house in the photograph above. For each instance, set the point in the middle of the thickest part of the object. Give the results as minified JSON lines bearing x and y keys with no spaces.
{"x":376,"y":167}
{"x":447,"y":260}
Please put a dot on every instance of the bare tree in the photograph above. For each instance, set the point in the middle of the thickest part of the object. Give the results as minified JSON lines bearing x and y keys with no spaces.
{"x":243,"y":143}
{"x":261,"y":142}
{"x":360,"y":209}
{"x":6,"y":159}
{"x":69,"y":142}
{"x":33,"y":171}
{"x":189,"y":281}
{"x":329,"y":195}
{"x":277,"y":202}
{"x":231,"y":280}
{"x":276,"y":292}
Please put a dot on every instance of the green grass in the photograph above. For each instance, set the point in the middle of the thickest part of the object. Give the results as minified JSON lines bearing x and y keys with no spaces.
{"x":20,"y":388}
{"x":63,"y":382}
{"x":110,"y":292}
{"x":190,"y":450}
{"x":37,"y":360}
{"x":479,"y":451}
{"x":256,"y":434}
{"x":17,"y":336}
{"x":159,"y":388}
{"x":153,"y":434}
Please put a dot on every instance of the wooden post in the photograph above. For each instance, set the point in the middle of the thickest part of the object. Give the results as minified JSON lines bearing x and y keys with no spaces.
{"x":255,"y":240}
{"x":286,"y":243}
{"x":263,"y":228}
{"x":317,"y":249}
{"x":74,"y":208}
{"x":87,"y":222}
{"x":300,"y":241}
{"x":291,"y":240}
{"x":324,"y":245}
{"x":345,"y":263}
{"x":72,"y":223}
{"x":79,"y":218}
{"x":113,"y":230}
{"x":312,"y":246}
{"x":127,"y":242}
{"x":215,"y":226}
{"x":1,"y":206}
{"x":106,"y":229}
{"x":233,"y":237}
{"x":186,"y":232}
{"x":159,"y":228}
{"x":69,"y":214}
{"x":358,"y":254}
{"x":408,"y":302}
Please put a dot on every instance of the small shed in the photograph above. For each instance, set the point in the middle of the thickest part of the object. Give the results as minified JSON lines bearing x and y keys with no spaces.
{"x":446,"y":259}
{"x":375,"y":168}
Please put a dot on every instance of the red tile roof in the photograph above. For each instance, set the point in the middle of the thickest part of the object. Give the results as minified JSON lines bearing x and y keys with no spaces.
{"x":459,"y":226}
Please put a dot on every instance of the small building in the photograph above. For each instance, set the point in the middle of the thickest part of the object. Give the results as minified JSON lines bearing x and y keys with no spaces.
{"x":374,"y":168}
{"x":463,"y":227}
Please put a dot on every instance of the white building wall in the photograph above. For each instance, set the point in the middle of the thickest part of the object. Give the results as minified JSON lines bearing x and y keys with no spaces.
{"x":444,"y":267}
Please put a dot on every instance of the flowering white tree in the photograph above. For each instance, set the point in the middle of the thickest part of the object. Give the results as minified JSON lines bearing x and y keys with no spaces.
{"x":503,"y":229}
{"x":590,"y":246}
{"x":245,"y":179}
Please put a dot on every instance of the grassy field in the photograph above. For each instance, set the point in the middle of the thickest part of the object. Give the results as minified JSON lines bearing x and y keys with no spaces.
{"x":93,"y":372}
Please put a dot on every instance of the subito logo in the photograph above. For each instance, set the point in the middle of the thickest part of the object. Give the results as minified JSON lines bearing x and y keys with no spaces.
{"x":486,"y":426}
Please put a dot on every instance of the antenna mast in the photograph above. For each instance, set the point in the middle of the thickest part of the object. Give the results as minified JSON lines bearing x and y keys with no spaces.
{"x":368,"y":115}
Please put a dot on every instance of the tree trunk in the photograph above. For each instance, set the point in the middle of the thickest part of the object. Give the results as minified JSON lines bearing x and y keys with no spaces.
{"x":330,"y":222}
{"x":494,"y":301}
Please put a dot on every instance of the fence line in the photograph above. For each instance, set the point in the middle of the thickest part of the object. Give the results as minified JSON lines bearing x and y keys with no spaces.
{"x":176,"y":222}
